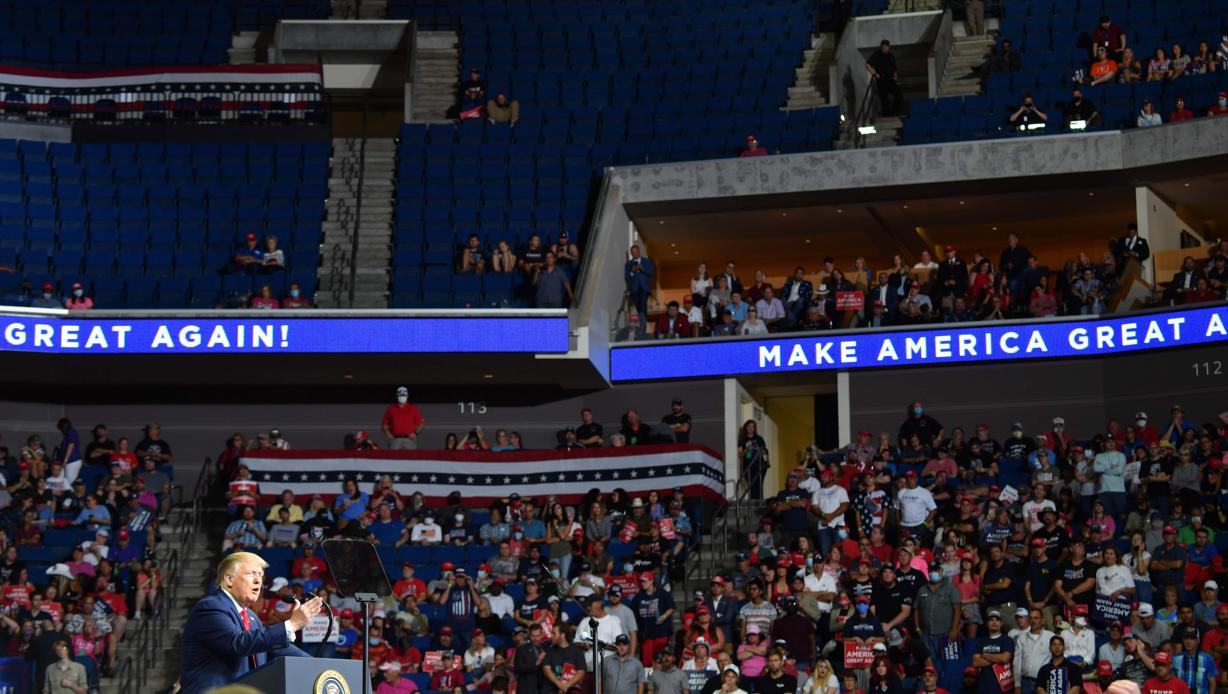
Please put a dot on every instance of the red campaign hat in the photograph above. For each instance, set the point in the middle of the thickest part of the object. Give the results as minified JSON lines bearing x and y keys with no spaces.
{"x":1169,"y":530}
{"x":347,"y":613}
{"x":702,"y":609}
{"x":646,"y":576}
{"x":863,"y":598}
{"x":866,"y":432}
{"x":123,"y":534}
{"x":825,"y":473}
{"x":971,"y":671}
{"x":251,"y":237}
{"x":76,"y":285}
{"x":1104,"y":668}
{"x":982,"y":426}
{"x":48,"y":287}
{"x":1080,"y":609}
{"x":910,"y":473}
{"x":1038,"y":542}
{"x":949,"y":248}
{"x":717,"y":580}
{"x":751,"y":137}
{"x":879,"y":303}
{"x":1164,"y":658}
{"x":447,"y":566}
{"x":445,"y":629}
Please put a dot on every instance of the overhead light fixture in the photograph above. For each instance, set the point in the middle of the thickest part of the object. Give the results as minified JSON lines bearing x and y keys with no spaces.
{"x":842,"y":118}
{"x":348,"y":377}
{"x":962,"y":202}
{"x":1078,"y":125}
{"x":1187,"y":184}
{"x":660,"y":221}
{"x":807,"y":240}
{"x":488,"y":376}
{"x":673,"y":245}
{"x":839,"y":211}
{"x":994,"y":228}
{"x":1091,"y":195}
{"x":784,"y":214}
{"x":866,"y":129}
{"x":906,"y":207}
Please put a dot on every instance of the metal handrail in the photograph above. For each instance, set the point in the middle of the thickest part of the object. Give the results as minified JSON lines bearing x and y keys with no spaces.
{"x":151,"y":635}
{"x":863,"y":113}
{"x":362,"y":166}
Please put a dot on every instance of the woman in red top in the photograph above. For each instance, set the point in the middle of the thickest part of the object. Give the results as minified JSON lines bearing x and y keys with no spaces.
{"x":703,"y":628}
{"x":981,"y":282}
{"x":126,"y":459}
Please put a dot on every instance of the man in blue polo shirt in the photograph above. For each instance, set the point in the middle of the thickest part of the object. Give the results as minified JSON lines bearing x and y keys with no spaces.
{"x":388,"y":531}
{"x":249,"y":257}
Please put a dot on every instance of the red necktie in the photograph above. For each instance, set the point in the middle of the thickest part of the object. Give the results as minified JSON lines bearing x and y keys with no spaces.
{"x":247,"y":626}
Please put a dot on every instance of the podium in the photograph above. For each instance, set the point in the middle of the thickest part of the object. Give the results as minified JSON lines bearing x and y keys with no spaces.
{"x":284,"y":675}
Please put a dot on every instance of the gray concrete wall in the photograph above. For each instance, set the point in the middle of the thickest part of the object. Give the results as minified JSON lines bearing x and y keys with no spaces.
{"x":1086,"y":393}
{"x":1095,"y":154}
{"x":862,"y":36}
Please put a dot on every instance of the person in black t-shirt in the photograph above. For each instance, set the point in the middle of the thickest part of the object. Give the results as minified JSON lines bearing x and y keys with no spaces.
{"x":679,"y":422}
{"x":1077,"y":577}
{"x":589,"y":433}
{"x":528,"y":662}
{"x":919,"y":424}
{"x":1059,"y":675}
{"x":774,"y":679}
{"x":154,"y":446}
{"x":892,"y":602}
{"x":564,"y":664}
{"x":98,"y":452}
{"x":882,"y":66}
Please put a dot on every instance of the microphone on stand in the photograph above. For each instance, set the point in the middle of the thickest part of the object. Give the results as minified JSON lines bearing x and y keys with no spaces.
{"x":328,"y":629}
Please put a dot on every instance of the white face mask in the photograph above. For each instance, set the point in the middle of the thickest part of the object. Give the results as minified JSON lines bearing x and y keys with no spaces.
{"x":402,"y":399}
{"x":1140,"y":423}
{"x":1080,"y":622}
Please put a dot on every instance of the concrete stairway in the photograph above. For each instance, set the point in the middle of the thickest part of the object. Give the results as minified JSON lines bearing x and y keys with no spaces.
{"x":436,"y":67}
{"x":810,"y":89}
{"x":913,"y":5}
{"x":196,"y":570}
{"x":967,"y":52}
{"x":373,"y":225}
{"x":243,"y":47}
{"x":887,"y":134}
{"x":359,"y":9}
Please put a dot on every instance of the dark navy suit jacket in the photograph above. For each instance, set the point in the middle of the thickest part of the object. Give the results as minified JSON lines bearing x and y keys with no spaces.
{"x":216,"y":650}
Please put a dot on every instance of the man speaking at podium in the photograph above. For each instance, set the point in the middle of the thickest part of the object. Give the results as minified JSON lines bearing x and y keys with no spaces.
{"x":224,"y":640}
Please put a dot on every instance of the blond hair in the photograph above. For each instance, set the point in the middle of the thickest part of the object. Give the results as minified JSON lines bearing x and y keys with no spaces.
{"x":228,"y":565}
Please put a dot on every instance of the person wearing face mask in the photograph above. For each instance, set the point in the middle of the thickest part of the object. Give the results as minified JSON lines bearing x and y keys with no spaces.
{"x":862,"y":626}
{"x":402,"y":422}
{"x":921,"y":425}
{"x":294,"y":297}
{"x":1018,"y":445}
{"x":46,"y":299}
{"x":78,"y":301}
{"x":1056,"y":439}
{"x":1080,"y":641}
{"x":1220,"y":107}
{"x":1143,"y":430}
{"x":937,"y":614}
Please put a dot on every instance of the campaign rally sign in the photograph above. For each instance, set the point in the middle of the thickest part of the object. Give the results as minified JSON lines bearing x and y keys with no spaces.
{"x":1105,"y":610}
{"x":492,"y":331}
{"x":963,"y":343}
{"x":858,"y":655}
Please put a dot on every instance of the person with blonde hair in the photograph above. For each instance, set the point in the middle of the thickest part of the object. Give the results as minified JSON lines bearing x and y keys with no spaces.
{"x":223,"y":638}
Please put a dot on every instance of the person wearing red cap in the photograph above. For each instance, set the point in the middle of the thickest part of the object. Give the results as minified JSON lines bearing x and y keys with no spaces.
{"x":47,"y":299}
{"x":249,"y":257}
{"x":952,"y":278}
{"x":929,"y":681}
{"x":78,"y":301}
{"x":1168,"y":562}
{"x":1164,"y":682}
{"x":1220,"y":107}
{"x":915,"y":509}
{"x":753,"y":148}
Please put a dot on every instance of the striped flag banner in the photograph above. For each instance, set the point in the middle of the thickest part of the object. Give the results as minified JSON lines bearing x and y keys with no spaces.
{"x":482,"y":476}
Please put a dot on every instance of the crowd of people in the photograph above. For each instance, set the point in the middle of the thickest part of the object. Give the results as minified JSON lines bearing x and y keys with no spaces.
{"x":951,"y":290}
{"x":923,"y":560}
{"x":78,"y":548}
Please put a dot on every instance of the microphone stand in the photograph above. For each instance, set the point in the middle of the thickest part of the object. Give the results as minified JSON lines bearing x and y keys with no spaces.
{"x":328,"y":629}
{"x":593,"y":624}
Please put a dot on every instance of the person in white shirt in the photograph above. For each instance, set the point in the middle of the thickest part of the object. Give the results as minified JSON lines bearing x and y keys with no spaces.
{"x":1113,"y":579}
{"x":609,"y":628}
{"x":833,"y":501}
{"x":693,"y":313}
{"x":915,"y":505}
{"x":586,"y":584}
{"x":1080,"y":641}
{"x":1033,"y":508}
{"x":925,"y":268}
{"x":823,"y":584}
{"x":807,"y":482}
{"x":1031,"y":646}
{"x":752,"y":325}
{"x":427,"y":532}
{"x":501,"y":604}
{"x":479,"y":654}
